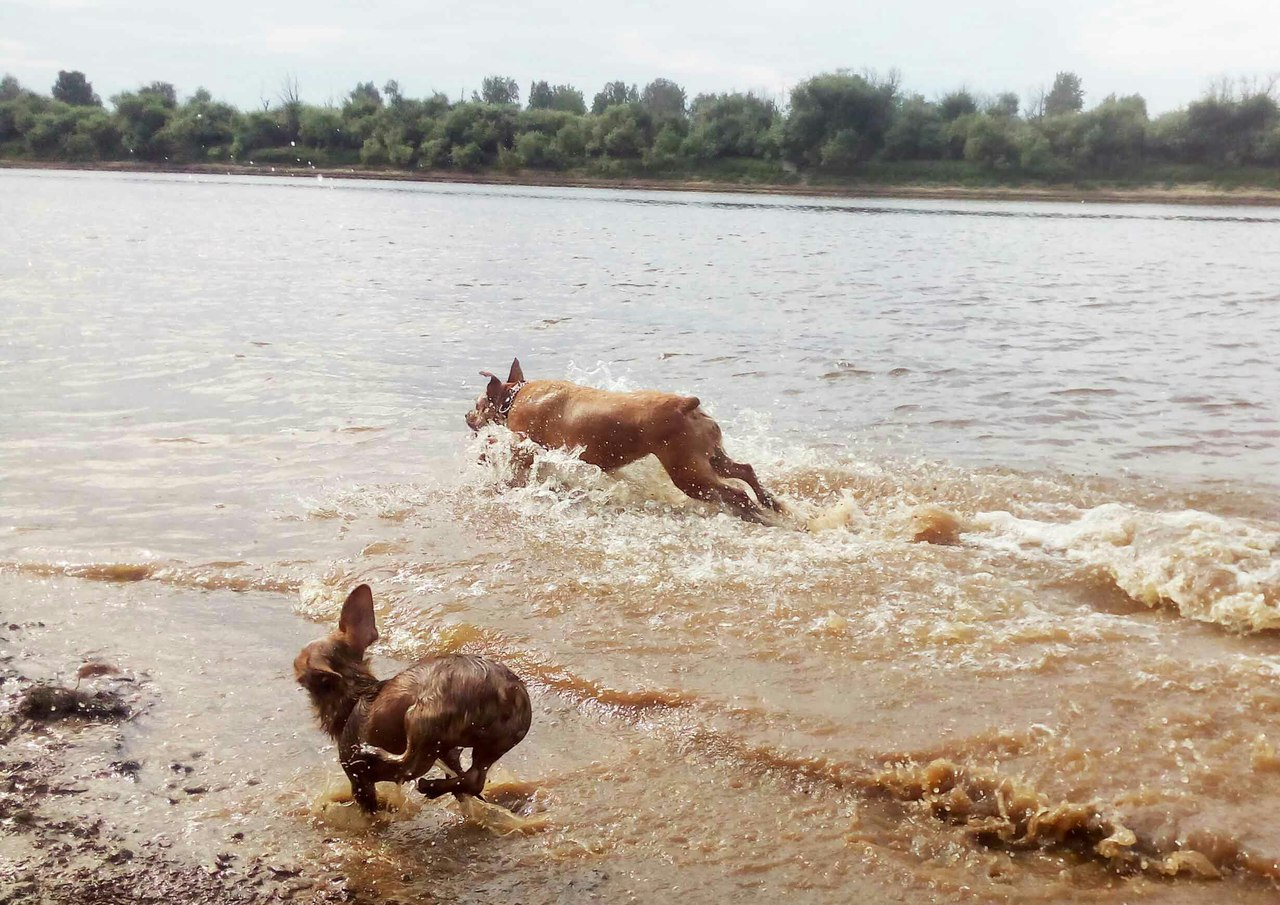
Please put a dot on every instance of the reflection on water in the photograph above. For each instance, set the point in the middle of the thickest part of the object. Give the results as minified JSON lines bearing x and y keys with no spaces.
{"x":1024,"y":650}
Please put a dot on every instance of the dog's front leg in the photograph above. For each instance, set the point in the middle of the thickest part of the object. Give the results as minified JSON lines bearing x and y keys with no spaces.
{"x":363,"y":777}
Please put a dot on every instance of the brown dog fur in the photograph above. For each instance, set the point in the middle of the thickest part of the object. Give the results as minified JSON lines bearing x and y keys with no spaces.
{"x":610,"y":430}
{"x":395,"y":730}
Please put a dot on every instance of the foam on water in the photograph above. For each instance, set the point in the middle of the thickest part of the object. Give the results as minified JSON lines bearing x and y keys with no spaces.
{"x":1210,"y":568}
{"x":336,"y":806}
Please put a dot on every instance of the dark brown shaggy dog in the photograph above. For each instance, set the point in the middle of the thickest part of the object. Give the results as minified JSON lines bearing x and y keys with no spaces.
{"x":395,"y":730}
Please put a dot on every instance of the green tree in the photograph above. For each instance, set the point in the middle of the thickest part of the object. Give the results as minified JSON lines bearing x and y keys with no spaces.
{"x":10,"y":89}
{"x":18,"y":107}
{"x":321,"y":128}
{"x":540,"y":95}
{"x":571,"y":141}
{"x":843,"y":151}
{"x":1066,"y":95}
{"x":258,"y":131}
{"x":622,"y":131}
{"x":1004,"y":104}
{"x":363,"y":98}
{"x":360,"y":111}
{"x":537,"y":149}
{"x":164,"y":92}
{"x":60,"y":131}
{"x":666,"y":145}
{"x":1224,"y":129}
{"x":98,"y":133}
{"x":1036,"y":157}
{"x":74,"y":89}
{"x":497,"y":89}
{"x":1112,"y":136}
{"x":956,"y":104}
{"x":664,"y":99}
{"x":548,"y":122}
{"x":543,"y":96}
{"x":731,"y":125}
{"x":142,"y":116}
{"x":1166,"y":137}
{"x":201,"y":129}
{"x":435,"y":153}
{"x":47,"y":131}
{"x":614,"y":94}
{"x":468,"y":157}
{"x":839,"y":118}
{"x":991,"y":141}
{"x":916,"y":132}
{"x":489,"y":127}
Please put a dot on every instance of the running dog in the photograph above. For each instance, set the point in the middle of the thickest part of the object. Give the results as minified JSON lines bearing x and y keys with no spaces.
{"x":394,"y":730}
{"x":610,"y":430}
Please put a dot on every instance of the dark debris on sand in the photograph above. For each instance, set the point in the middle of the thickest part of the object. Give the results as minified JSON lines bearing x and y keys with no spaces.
{"x":52,"y":860}
{"x":46,"y":702}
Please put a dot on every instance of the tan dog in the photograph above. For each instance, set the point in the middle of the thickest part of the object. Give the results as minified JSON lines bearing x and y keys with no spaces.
{"x":395,"y":730}
{"x":610,"y":430}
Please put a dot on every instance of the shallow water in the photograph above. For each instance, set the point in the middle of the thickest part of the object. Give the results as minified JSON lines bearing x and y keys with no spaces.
{"x":227,"y":400}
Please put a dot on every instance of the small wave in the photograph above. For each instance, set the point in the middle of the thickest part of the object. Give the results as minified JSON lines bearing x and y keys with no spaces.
{"x":213,"y":576}
{"x":1213,"y":569}
{"x":990,"y":807}
{"x":1085,"y":392}
{"x":1001,"y":810}
{"x":322,"y":602}
{"x":847,"y":369}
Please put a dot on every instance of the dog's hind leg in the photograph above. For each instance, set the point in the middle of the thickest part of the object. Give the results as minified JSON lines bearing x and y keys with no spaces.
{"x":452,"y":759}
{"x":482,"y":758}
{"x":727,"y":468}
{"x":696,"y":478}
{"x":470,"y":781}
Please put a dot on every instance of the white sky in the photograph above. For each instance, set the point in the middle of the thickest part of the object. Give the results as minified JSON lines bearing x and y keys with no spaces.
{"x":1166,"y":50}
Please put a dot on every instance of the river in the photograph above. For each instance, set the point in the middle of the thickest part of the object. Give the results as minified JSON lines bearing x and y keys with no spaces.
{"x":225,"y":401}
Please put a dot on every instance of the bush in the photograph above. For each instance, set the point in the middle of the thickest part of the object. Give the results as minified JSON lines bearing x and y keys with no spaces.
{"x":843,"y":151}
{"x":467,"y":157}
{"x":539,"y":151}
{"x":434,"y":154}
{"x":571,"y":141}
{"x":623,"y":130}
{"x":991,"y":143}
{"x":509,"y":160}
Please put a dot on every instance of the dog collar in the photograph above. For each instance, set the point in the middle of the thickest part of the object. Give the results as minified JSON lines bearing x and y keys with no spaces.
{"x":510,"y":400}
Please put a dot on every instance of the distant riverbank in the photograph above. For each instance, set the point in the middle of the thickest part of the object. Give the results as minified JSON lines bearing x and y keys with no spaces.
{"x":1186,"y":193}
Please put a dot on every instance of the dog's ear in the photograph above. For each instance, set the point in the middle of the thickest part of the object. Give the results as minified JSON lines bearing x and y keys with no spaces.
{"x":495,"y":390}
{"x":357,"y":623}
{"x":321,"y":680}
{"x":516,"y":375}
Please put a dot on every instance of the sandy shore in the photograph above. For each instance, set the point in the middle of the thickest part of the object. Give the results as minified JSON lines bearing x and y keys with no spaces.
{"x":1191,"y":193}
{"x":80,"y":796}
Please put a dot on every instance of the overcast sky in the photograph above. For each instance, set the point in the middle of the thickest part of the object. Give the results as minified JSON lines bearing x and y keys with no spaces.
{"x":1166,"y":50}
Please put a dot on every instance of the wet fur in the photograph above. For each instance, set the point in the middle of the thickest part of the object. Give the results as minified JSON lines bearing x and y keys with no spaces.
{"x":611,"y":430}
{"x":395,"y":730}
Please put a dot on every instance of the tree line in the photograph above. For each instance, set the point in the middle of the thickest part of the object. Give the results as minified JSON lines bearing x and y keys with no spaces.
{"x":837,"y":123}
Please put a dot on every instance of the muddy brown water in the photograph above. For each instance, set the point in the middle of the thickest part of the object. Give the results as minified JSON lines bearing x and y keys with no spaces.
{"x":226,"y":400}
